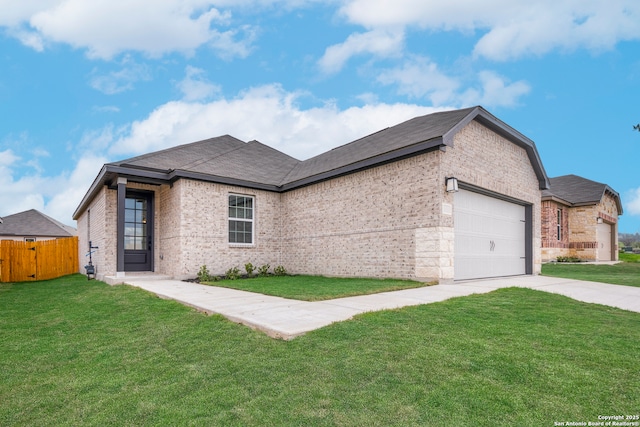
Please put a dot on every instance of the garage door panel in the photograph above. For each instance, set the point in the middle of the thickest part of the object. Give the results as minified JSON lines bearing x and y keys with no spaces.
{"x":489,"y":237}
{"x":603,"y":235}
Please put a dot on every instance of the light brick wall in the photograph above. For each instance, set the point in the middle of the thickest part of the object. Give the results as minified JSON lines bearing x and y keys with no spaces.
{"x":396,"y":220}
{"x":200,"y":210}
{"x":169,"y":239}
{"x":97,"y":224}
{"x":362,"y":224}
{"x":485,"y":159}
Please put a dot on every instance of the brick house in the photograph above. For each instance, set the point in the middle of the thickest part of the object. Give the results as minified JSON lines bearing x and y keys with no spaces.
{"x":450,"y":195}
{"x":32,"y":226}
{"x":580,"y":219}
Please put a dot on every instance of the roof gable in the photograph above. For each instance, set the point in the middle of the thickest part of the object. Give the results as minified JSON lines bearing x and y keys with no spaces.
{"x":34,"y":223}
{"x":579,"y":191}
{"x":407,"y":134}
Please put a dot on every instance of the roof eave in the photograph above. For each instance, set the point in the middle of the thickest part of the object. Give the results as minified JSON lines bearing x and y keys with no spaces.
{"x":490,"y":121}
{"x":136,"y":174}
{"x":91,"y":193}
{"x":557,"y":200}
{"x":410,"y":151}
{"x":177,"y":174}
{"x":157,"y":177}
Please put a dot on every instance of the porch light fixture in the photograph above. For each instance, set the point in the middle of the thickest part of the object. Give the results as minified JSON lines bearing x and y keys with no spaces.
{"x":599,"y":220}
{"x":452,"y":185}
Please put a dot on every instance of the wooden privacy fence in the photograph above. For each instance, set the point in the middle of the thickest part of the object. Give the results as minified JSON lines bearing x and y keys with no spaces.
{"x":29,"y":261}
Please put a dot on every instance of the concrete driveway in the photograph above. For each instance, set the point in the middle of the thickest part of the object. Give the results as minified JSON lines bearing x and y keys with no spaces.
{"x":287,"y":319}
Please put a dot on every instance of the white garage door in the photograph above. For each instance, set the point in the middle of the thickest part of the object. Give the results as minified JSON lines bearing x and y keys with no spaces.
{"x":489,"y":237}
{"x":604,"y":242}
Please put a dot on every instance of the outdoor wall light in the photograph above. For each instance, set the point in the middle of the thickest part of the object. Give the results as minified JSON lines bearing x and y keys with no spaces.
{"x":599,"y":220}
{"x":452,"y":185}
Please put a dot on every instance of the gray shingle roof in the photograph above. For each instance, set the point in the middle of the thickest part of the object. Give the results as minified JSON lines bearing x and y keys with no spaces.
{"x":228,"y":160}
{"x":579,"y":191}
{"x":403,"y":135}
{"x":224,"y":156}
{"x":34,"y":223}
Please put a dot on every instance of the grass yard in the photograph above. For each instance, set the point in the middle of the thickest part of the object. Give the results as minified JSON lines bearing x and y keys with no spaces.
{"x":78,"y":352}
{"x":626,"y":273}
{"x":317,"y":288}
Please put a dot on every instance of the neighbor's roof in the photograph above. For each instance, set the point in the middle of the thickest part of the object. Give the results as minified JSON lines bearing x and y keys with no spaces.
{"x":34,"y":223}
{"x":228,"y":160}
{"x":578,"y":191}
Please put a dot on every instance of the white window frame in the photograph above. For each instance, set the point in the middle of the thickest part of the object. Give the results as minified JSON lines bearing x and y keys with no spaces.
{"x":30,"y":239}
{"x":560,"y":216}
{"x":245,"y":220}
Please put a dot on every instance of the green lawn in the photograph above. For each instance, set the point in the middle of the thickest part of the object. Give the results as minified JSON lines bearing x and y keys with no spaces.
{"x":317,"y":288}
{"x":626,"y":273}
{"x":75,"y":352}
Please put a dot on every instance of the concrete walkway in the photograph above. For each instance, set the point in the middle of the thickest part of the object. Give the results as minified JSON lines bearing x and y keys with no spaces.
{"x":287,"y":319}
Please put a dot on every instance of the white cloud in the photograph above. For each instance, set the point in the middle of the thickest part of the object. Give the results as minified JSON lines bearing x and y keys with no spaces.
{"x":195,"y":86}
{"x":28,"y":38}
{"x":106,"y":109}
{"x":268,"y":114}
{"x":106,"y":28}
{"x":382,"y":43}
{"x":7,"y":158}
{"x":495,"y":91}
{"x":64,"y":202}
{"x":13,"y":13}
{"x":419,"y":77}
{"x":511,"y":29}
{"x":121,"y":80}
{"x":57,"y":196}
{"x":632,"y":205}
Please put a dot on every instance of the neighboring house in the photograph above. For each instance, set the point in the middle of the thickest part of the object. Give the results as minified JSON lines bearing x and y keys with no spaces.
{"x":580,"y":219}
{"x":450,"y":195}
{"x":32,"y":226}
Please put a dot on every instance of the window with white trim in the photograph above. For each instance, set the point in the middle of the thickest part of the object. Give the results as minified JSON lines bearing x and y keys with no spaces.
{"x":241,"y":219}
{"x":559,"y":224}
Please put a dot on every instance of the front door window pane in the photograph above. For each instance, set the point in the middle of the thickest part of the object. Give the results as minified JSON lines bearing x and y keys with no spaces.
{"x":135,"y":227}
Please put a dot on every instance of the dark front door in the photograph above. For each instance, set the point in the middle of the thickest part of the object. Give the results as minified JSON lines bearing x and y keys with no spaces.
{"x":138,"y":232}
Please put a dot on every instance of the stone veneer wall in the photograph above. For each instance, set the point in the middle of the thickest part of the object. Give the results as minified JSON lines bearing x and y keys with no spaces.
{"x":483,"y":158}
{"x":363,"y":224}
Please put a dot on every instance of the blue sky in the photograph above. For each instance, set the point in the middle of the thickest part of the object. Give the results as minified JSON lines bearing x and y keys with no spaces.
{"x":84,"y":83}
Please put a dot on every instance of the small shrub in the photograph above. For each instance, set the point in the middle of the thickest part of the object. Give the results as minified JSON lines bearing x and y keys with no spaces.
{"x":568,"y":259}
{"x":249,"y":268}
{"x":203,"y":274}
{"x":232,"y":274}
{"x":280,"y":271}
{"x":263,"y":270}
